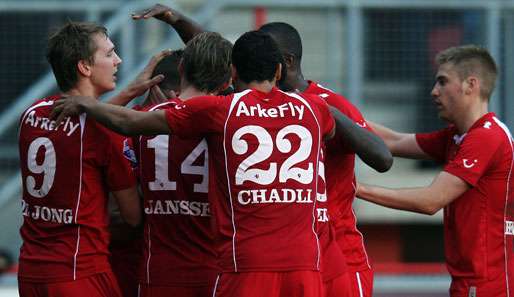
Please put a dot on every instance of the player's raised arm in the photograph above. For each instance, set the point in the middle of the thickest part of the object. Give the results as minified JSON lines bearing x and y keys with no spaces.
{"x":370,"y":148}
{"x":119,"y":119}
{"x":185,"y":27}
{"x":400,"y":144}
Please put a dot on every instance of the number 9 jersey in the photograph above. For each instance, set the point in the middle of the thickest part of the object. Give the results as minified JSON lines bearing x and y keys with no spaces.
{"x":264,"y":159}
{"x":67,"y":172}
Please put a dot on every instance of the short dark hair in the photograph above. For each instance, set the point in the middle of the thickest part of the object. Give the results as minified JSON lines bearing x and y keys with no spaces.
{"x":206,"y":61}
{"x":287,"y":38}
{"x":169,"y":68}
{"x":256,"y":57}
{"x":470,"y":60}
{"x":67,"y":46}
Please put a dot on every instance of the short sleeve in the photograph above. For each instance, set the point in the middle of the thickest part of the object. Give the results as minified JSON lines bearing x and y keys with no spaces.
{"x":348,"y":109}
{"x":120,"y":173}
{"x":473,"y":157}
{"x":328,"y":122}
{"x":435,"y":144}
{"x":194,"y":117}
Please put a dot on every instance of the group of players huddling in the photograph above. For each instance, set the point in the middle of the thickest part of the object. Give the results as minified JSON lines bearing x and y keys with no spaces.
{"x":246,"y":171}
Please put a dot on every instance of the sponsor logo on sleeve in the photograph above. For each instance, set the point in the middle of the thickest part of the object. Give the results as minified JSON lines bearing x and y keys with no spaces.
{"x":487,"y":125}
{"x":468,"y":163}
{"x":129,"y":153}
{"x":362,"y":124}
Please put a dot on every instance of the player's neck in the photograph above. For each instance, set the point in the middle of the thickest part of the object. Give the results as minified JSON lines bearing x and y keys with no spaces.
{"x":263,"y":86}
{"x":83,"y":90}
{"x":471,"y":115}
{"x":190,"y":92}
{"x":297,"y":82}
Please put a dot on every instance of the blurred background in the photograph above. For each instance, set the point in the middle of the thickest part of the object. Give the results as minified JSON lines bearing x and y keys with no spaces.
{"x":378,"y":53}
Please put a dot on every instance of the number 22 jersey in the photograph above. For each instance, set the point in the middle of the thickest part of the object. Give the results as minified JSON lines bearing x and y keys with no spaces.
{"x":263,"y":165}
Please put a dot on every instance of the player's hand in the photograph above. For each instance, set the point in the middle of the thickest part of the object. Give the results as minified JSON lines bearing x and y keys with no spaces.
{"x":142,"y":82}
{"x":160,"y":12}
{"x":157,"y":95}
{"x":69,"y":106}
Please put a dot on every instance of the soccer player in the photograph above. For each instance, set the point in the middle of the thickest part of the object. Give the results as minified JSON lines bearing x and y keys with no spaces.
{"x":126,"y":246}
{"x":179,"y":255}
{"x":264,"y":146}
{"x":68,"y":169}
{"x":475,"y":188}
{"x":340,"y":163}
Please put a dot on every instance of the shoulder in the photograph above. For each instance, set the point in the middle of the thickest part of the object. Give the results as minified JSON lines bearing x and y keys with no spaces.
{"x":489,"y":135}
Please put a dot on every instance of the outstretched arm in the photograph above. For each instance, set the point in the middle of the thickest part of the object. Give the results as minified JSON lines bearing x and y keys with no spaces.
{"x":369,"y":147}
{"x":185,"y":27}
{"x":119,"y":119}
{"x":400,"y":144}
{"x":426,"y":200}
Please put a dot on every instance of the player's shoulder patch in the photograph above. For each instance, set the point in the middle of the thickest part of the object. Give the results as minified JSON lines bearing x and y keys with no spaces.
{"x":129,"y":153}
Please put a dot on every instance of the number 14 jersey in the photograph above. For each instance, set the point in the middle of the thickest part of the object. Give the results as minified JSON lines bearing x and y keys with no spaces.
{"x":264,"y":150}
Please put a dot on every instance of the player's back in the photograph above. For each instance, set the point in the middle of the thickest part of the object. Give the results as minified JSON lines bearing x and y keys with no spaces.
{"x":65,"y":186}
{"x":174,"y":176}
{"x":271,"y":146}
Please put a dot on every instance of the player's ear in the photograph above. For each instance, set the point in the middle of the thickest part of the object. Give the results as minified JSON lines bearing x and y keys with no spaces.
{"x":278,"y":72}
{"x":288,"y":60}
{"x":471,"y":85}
{"x":84,"y":68}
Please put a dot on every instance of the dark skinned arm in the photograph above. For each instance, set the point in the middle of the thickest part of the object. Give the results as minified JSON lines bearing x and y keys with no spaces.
{"x":185,"y":27}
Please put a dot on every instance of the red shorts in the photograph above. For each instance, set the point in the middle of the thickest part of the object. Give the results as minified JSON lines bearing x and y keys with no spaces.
{"x":269,"y":284}
{"x":361,"y":283}
{"x":338,"y":287}
{"x":461,"y":287}
{"x":98,"y":285}
{"x":166,"y":291}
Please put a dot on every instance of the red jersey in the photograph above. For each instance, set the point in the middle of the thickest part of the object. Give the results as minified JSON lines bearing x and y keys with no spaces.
{"x":174,"y":176}
{"x":263,"y":166}
{"x":67,"y":172}
{"x":478,"y":225}
{"x":333,"y":260}
{"x":340,"y":174}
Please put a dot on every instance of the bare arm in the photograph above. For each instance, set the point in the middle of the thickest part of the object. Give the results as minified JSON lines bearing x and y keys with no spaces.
{"x":129,"y":204}
{"x":369,"y":147}
{"x":426,"y":200}
{"x":400,"y":144}
{"x":119,"y":119}
{"x":185,"y":27}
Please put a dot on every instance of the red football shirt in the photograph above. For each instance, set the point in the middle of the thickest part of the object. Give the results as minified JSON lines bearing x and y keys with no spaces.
{"x":340,"y":174}
{"x":67,"y":172}
{"x":174,"y":176}
{"x":478,"y":225}
{"x":333,"y":262}
{"x":263,"y":167}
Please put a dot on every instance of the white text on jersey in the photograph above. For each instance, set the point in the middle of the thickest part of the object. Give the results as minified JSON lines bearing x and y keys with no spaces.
{"x":284,"y":110}
{"x":47,"y":124}
{"x":246,"y":197}
{"x":178,"y":207}
{"x":47,"y":214}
